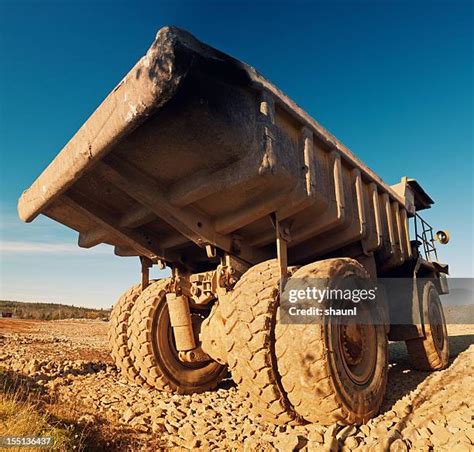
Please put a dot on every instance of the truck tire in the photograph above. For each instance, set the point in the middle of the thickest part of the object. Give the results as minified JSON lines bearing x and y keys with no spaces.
{"x":118,"y":339}
{"x":432,"y":351}
{"x":333,"y":372}
{"x":250,"y":312}
{"x":153,"y":350}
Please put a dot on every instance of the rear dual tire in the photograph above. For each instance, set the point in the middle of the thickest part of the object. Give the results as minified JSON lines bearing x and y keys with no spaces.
{"x":118,"y":335}
{"x":153,"y":350}
{"x":333,"y":371}
{"x":294,"y":372}
{"x":143,"y":348}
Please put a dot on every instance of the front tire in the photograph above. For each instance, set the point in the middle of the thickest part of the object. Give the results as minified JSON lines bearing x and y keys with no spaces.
{"x":432,"y":351}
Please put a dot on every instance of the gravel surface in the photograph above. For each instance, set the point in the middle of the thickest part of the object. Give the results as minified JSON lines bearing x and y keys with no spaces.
{"x":69,"y":360}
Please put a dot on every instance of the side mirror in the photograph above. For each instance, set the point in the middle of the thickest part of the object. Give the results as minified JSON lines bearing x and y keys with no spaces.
{"x":442,"y":237}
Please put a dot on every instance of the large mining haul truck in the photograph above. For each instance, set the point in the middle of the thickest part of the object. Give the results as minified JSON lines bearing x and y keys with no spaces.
{"x":196,"y":162}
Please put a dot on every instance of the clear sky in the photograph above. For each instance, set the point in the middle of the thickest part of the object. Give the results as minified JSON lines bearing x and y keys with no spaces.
{"x":392,"y":80}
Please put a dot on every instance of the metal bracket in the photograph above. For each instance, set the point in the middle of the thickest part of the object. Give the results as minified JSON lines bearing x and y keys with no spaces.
{"x":197,"y":355}
{"x":282,"y":239}
{"x":211,"y":251}
{"x":161,"y":264}
{"x":146,"y":265}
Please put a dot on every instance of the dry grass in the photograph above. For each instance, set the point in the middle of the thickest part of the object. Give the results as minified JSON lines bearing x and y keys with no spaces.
{"x":24,"y":413}
{"x":22,"y":419}
{"x":27,"y":410}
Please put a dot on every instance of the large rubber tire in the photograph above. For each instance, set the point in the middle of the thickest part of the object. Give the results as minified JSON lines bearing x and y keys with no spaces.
{"x":321,"y":383}
{"x":432,"y":351}
{"x":153,"y":350}
{"x":250,"y":313}
{"x":118,"y":338}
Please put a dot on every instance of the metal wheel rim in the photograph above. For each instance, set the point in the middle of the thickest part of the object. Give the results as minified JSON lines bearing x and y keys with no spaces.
{"x":357,"y":345}
{"x":436,"y":324}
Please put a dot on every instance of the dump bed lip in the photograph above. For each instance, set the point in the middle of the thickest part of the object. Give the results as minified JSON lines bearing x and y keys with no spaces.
{"x":149,"y":85}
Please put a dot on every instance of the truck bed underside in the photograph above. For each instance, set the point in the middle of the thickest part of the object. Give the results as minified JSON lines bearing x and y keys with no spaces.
{"x":207,"y":152}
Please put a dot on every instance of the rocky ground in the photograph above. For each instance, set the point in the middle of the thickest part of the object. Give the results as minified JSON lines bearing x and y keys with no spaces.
{"x":68,"y":362}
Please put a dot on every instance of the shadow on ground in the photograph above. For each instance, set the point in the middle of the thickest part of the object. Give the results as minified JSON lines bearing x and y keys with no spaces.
{"x":402,"y":378}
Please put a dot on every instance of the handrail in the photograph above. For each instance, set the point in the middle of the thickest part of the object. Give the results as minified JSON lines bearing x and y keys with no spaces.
{"x":426,"y":238}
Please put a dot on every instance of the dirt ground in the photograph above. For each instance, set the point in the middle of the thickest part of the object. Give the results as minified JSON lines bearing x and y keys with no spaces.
{"x":68,"y":363}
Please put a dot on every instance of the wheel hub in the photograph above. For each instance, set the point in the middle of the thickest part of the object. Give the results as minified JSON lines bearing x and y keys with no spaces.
{"x":353,"y":343}
{"x":436,"y":324}
{"x":358,"y":348}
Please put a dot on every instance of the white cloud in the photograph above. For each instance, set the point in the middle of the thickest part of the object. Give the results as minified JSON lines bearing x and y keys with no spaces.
{"x":51,"y":248}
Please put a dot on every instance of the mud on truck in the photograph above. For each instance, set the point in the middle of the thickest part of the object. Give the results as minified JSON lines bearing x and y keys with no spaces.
{"x":196,"y":162}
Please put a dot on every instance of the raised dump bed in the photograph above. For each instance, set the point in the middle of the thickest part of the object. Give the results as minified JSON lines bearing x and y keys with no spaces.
{"x":194,"y":147}
{"x":197,"y":162}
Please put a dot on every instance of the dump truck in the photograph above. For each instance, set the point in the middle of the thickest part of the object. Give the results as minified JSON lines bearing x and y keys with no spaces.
{"x":195,"y":162}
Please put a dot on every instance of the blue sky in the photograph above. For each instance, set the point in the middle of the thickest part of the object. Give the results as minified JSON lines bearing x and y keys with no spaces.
{"x":392,"y":80}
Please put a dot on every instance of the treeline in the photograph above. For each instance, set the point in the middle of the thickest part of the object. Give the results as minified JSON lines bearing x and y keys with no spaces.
{"x":50,"y":311}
